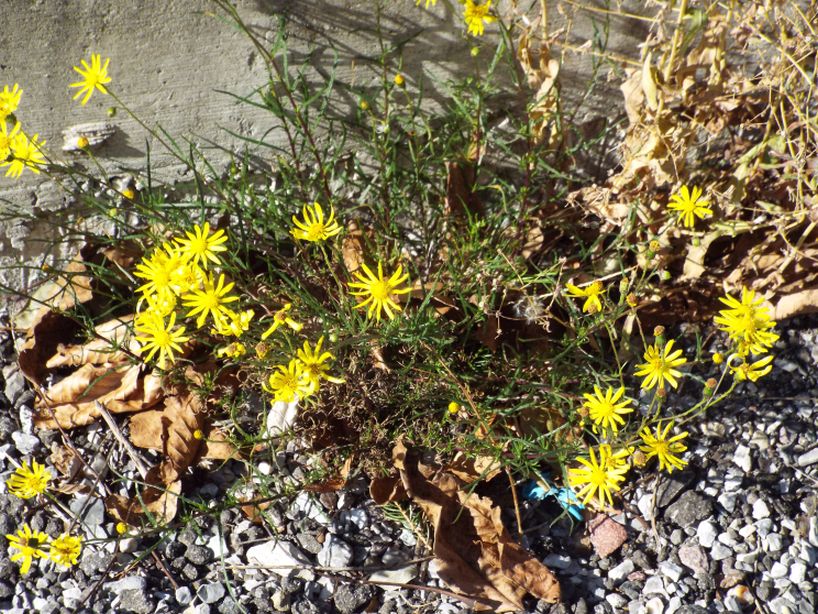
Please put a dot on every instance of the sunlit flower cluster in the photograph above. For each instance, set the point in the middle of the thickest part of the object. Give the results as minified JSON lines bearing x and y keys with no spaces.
{"x":29,"y":545}
{"x":748,"y":324}
{"x":18,"y":150}
{"x":303,"y":375}
{"x":177,"y":284}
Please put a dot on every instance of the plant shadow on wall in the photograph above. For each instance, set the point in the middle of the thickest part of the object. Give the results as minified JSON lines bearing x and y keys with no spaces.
{"x":432,"y":297}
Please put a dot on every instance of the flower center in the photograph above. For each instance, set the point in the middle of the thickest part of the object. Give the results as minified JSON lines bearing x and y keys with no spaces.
{"x":315,"y":232}
{"x":379,"y":290}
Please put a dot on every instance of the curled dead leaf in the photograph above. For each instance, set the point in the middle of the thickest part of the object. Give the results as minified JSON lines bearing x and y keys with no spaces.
{"x":474,"y":552}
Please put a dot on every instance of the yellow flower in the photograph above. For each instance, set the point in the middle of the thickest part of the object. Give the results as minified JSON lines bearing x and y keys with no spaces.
{"x":9,"y":100}
{"x":166,"y":271}
{"x":689,"y":205}
{"x":201,"y":246}
{"x":379,"y":290}
{"x":591,"y":293}
{"x":619,"y":459}
{"x":428,"y":3}
{"x":454,"y":407}
{"x":399,"y":80}
{"x":718,"y":358}
{"x":598,"y":478}
{"x":752,"y":372}
{"x":285,"y":383}
{"x":747,"y":322}
{"x":237,"y":326}
{"x":27,"y":153}
{"x":5,"y":140}
{"x":476,"y":16}
{"x":660,"y":366}
{"x":235,"y":350}
{"x":280,"y":318}
{"x":160,"y":338}
{"x":94,"y":77}
{"x":211,"y":301}
{"x":657,"y":444}
{"x":30,"y":545}
{"x":604,"y":409}
{"x":28,"y":481}
{"x":313,"y":227}
{"x":313,"y":364}
{"x":65,"y":550}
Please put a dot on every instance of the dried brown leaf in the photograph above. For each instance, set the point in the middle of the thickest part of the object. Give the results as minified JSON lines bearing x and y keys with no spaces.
{"x":106,"y":347}
{"x":475,"y":554}
{"x":797,"y":303}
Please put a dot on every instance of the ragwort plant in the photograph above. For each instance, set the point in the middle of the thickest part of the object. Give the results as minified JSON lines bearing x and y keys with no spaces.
{"x":416,"y":290}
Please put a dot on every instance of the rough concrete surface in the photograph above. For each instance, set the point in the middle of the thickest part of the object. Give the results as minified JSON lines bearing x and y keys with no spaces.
{"x":171,"y":59}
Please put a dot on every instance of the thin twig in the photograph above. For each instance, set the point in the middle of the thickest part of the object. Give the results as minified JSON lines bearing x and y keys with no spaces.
{"x":117,"y":433}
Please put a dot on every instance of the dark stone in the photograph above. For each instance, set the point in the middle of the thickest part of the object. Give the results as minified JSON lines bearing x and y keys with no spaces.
{"x":641,"y":559}
{"x":199,"y":555}
{"x":309,"y":543}
{"x":190,"y":572}
{"x":350,"y":599}
{"x":690,"y":508}
{"x":630,"y":589}
{"x":670,"y":488}
{"x":175,"y":550}
{"x":6,"y":590}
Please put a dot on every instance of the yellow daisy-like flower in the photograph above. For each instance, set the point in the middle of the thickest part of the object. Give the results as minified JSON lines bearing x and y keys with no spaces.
{"x":165,"y":271}
{"x":690,"y":205}
{"x":597,"y":478}
{"x":26,"y":153}
{"x":211,"y":300}
{"x":30,"y":545}
{"x":379,"y":290}
{"x":314,"y":365}
{"x":747,"y":322}
{"x":157,"y":337}
{"x":590,"y":293}
{"x":285,"y":383}
{"x":65,"y":550}
{"x":201,"y":246}
{"x":657,"y":444}
{"x":660,"y":366}
{"x":605,"y":410}
{"x":236,"y":326}
{"x":5,"y":140}
{"x":281,"y":318}
{"x":28,"y":481}
{"x":476,"y":16}
{"x":235,"y":350}
{"x":9,"y":100}
{"x":314,"y":227}
{"x":94,"y":77}
{"x":746,"y":371}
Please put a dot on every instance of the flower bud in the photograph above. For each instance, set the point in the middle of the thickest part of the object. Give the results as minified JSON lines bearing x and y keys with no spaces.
{"x":718,"y":358}
{"x":632,"y":300}
{"x":399,"y":80}
{"x":454,"y":408}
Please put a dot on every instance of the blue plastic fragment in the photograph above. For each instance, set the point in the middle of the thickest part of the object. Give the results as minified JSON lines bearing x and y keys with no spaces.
{"x":566,"y":497}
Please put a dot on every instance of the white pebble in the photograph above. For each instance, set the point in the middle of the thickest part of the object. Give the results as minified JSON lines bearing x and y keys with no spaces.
{"x":621,"y":571}
{"x":706,"y":532}
{"x":742,"y":458}
{"x":760,"y":509}
{"x":671,"y":570}
{"x":778,"y":570}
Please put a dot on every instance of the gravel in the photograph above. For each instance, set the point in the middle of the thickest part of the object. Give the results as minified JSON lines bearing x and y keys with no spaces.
{"x":738,"y":526}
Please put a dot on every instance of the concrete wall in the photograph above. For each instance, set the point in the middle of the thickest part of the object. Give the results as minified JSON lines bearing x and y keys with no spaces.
{"x":169,"y":58}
